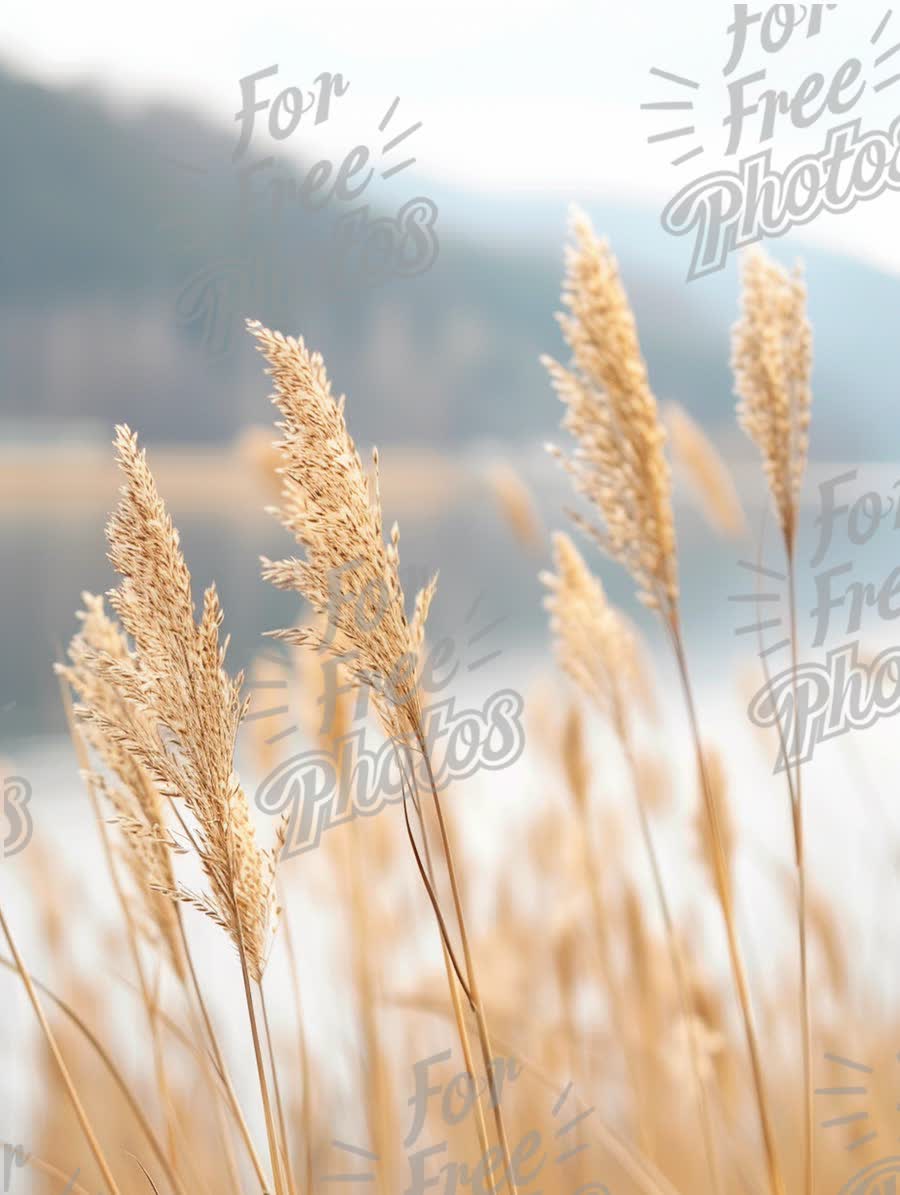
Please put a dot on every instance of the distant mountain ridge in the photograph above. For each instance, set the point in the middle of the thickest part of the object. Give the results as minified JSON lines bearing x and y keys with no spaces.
{"x":105,"y":234}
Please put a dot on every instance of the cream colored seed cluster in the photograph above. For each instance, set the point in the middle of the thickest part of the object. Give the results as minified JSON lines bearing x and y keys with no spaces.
{"x":725,"y":829}
{"x":327,"y":504}
{"x":772,"y":362}
{"x":593,"y":644}
{"x":619,"y":464}
{"x":176,"y":711}
{"x":109,"y":722}
{"x":706,"y":472}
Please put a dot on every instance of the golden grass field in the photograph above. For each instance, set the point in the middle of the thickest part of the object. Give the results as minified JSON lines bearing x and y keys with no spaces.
{"x":577,"y":1030}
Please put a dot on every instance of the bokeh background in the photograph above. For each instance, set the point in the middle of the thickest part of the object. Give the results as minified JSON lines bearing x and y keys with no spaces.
{"x":128,"y":262}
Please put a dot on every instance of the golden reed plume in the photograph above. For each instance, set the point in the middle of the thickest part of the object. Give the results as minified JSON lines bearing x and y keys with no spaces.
{"x":176,"y":711}
{"x":619,"y":464}
{"x":594,"y":643}
{"x":349,"y":574}
{"x":351,"y":577}
{"x":620,"y":467}
{"x":516,"y":504}
{"x":108,"y":723}
{"x":705,"y":471}
{"x":772,"y":362}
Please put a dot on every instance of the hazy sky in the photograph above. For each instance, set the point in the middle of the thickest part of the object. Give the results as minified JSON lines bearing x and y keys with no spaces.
{"x":526,"y":95}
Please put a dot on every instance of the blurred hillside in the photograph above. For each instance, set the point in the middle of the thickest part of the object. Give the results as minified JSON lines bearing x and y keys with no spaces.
{"x":126,"y":269}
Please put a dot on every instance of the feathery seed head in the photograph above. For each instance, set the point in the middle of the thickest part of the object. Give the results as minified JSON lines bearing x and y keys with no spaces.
{"x":706,"y":472}
{"x":594,"y":644}
{"x":724,"y":825}
{"x":574,"y":756}
{"x":349,"y":574}
{"x":772,"y":363}
{"x":516,"y":504}
{"x":619,"y":464}
{"x":178,"y":711}
{"x":108,"y":722}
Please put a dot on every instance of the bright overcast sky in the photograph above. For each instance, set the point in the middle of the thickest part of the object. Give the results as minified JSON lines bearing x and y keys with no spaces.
{"x":537,"y":96}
